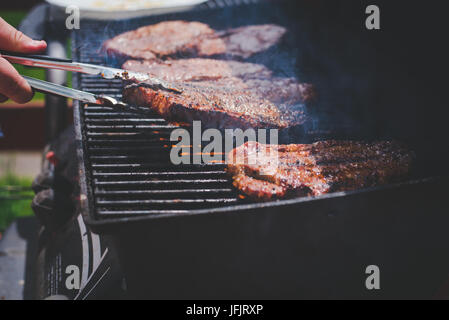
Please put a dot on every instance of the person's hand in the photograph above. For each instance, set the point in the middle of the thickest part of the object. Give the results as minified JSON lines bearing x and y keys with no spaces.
{"x":12,"y":85}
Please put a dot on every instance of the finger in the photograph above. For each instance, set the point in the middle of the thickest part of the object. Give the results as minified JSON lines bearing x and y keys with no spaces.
{"x":14,"y":40}
{"x":12,"y":84}
{"x":3,"y":98}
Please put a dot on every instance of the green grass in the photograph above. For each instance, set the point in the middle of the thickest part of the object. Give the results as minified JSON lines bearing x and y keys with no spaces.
{"x":15,"y":199}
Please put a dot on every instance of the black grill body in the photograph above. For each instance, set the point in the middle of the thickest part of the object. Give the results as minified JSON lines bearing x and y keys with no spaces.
{"x":184,"y":232}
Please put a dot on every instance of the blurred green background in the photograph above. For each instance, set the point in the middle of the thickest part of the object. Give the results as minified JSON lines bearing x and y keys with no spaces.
{"x":15,"y":192}
{"x":15,"y":199}
{"x":13,"y":17}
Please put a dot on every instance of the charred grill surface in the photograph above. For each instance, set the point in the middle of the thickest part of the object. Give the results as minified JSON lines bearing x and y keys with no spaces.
{"x":315,"y":169}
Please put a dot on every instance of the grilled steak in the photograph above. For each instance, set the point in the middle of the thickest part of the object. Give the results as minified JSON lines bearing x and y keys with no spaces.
{"x":198,"y":69}
{"x":158,"y":40}
{"x":222,"y":94}
{"x":182,"y":38}
{"x":246,"y":41}
{"x":257,"y":78}
{"x":315,"y":169}
{"x":222,"y":104}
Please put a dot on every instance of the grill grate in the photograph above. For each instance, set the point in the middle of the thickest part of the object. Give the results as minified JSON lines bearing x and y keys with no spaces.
{"x":126,"y":155}
{"x":130,"y":170}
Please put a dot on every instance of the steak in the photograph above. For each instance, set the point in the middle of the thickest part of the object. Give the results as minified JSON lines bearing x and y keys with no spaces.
{"x":256,"y":77}
{"x":222,"y":94}
{"x":159,"y":40}
{"x":315,"y":169}
{"x":249,"y":40}
{"x":198,"y":69}
{"x":182,"y":39}
{"x":223,"y":104}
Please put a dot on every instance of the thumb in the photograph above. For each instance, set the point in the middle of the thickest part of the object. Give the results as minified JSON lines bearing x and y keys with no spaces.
{"x":14,"y":40}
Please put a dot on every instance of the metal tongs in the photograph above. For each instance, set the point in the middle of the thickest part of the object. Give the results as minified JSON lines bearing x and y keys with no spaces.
{"x":69,"y":65}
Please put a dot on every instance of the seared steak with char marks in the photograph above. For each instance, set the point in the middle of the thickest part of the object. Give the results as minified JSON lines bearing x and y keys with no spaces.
{"x":222,"y":94}
{"x":256,"y":77}
{"x":315,"y":169}
{"x":223,"y":104}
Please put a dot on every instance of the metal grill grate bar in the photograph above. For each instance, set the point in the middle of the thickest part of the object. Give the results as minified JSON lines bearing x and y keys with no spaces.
{"x":156,"y":182}
{"x":167,"y":201}
{"x":169,"y":173}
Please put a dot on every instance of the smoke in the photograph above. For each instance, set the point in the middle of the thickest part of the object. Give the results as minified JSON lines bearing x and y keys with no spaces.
{"x":316,"y":50}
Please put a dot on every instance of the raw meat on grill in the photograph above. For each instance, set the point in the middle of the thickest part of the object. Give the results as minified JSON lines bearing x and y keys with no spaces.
{"x":268,"y":172}
{"x":182,"y":38}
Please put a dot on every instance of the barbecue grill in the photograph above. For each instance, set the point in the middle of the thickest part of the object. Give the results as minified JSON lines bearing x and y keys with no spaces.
{"x":184,"y":232}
